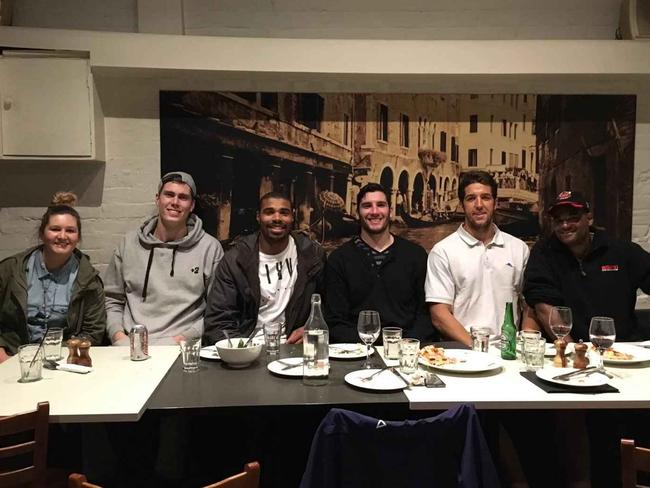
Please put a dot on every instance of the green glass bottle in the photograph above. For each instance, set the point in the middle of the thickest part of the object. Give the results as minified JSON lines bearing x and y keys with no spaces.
{"x":508,"y":335}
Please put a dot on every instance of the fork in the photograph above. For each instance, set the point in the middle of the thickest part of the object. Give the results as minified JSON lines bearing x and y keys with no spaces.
{"x":365,"y":379}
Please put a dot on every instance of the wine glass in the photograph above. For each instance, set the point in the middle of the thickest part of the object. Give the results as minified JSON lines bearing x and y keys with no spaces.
{"x":368,"y":327}
{"x":602,"y":333}
{"x":560,"y":320}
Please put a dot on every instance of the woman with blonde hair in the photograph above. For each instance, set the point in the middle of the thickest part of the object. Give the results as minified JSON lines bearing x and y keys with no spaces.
{"x":51,"y":285}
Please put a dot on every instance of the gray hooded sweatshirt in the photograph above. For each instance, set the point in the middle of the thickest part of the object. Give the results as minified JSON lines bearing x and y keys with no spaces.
{"x":162,"y":285}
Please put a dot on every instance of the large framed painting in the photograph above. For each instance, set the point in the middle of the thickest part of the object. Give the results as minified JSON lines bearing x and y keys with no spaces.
{"x":320,"y":148}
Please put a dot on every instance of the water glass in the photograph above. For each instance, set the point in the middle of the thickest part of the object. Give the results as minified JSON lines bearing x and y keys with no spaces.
{"x":480,"y":338}
{"x":30,"y":357}
{"x":272,"y":337}
{"x":409,"y":354}
{"x":190,"y":350}
{"x":52,"y":344}
{"x":533,"y":352}
{"x":391,"y":337}
{"x":522,"y":335}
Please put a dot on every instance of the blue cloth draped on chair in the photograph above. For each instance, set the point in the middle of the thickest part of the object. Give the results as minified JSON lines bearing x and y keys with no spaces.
{"x":356,"y":451}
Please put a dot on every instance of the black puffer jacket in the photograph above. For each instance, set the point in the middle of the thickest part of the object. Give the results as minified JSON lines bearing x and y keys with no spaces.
{"x":234,"y":300}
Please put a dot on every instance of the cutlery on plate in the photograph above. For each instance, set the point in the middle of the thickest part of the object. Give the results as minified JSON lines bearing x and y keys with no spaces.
{"x":369,"y":378}
{"x":289,"y":365}
{"x":578,"y":372}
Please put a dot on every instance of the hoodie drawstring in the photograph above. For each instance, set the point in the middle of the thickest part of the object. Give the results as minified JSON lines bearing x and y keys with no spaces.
{"x":146,"y":275}
{"x":171,"y":273}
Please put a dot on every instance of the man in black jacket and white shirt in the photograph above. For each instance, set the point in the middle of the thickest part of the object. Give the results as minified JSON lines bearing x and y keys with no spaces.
{"x":268,"y":276}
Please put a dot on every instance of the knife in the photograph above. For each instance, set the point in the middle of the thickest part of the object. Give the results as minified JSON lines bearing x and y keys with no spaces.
{"x":577,"y":372}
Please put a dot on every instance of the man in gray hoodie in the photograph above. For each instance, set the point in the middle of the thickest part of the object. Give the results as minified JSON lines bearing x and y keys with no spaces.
{"x":160,"y":274}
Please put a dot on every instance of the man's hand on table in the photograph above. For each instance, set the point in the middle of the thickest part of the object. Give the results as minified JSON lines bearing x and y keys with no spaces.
{"x":296,"y":336}
{"x":3,"y":355}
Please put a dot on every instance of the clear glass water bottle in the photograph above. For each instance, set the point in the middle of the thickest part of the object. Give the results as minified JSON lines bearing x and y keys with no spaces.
{"x":315,"y":347}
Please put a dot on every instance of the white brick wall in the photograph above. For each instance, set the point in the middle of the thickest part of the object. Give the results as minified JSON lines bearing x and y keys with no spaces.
{"x":131,"y":107}
{"x":355,"y":19}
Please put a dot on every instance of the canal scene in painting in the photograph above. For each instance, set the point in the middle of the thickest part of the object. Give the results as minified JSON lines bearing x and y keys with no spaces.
{"x":321,"y":148}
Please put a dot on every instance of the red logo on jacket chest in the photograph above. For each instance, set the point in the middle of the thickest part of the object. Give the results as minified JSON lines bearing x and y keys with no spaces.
{"x":609,"y":267}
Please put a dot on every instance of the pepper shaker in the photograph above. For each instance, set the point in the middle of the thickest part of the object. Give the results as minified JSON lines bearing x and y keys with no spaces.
{"x":581,"y":360}
{"x":559,"y":361}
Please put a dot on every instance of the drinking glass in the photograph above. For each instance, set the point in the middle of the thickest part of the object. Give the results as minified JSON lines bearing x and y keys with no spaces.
{"x":52,"y":343}
{"x":368,"y":327}
{"x":30,"y":357}
{"x":602,"y":333}
{"x":272,"y":337}
{"x":560,"y":320}
{"x":190,"y":351}
{"x":480,"y":338}
{"x":410,"y":353}
{"x":391,"y":338}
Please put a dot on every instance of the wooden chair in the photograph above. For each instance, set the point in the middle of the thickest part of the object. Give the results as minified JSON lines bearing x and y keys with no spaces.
{"x":76,"y":480}
{"x":250,"y":478}
{"x":633,"y":459}
{"x":13,"y":451}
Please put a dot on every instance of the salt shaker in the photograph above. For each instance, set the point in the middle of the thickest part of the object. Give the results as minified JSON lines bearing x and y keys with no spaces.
{"x":73,"y":350}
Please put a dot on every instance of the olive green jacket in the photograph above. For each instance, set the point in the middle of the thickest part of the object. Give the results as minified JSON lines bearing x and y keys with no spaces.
{"x":86,"y":313}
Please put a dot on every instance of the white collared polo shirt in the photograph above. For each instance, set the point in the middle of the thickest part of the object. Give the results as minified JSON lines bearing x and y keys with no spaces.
{"x":477,"y":280}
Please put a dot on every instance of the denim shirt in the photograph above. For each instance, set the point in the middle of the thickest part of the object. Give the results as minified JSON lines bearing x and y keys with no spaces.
{"x":48,"y":294}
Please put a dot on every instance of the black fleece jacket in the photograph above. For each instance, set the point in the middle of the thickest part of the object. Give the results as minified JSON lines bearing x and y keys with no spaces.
{"x":604,"y":283}
{"x":395,"y":290}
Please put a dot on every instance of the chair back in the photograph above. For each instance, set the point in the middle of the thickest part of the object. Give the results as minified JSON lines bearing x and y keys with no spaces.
{"x":633,"y":460}
{"x":249,"y":478}
{"x":350,"y":449}
{"x":17,"y":443}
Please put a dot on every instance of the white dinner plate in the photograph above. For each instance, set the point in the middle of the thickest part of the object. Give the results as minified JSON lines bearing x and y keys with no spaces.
{"x":384,"y":381}
{"x":281,"y":367}
{"x":349,"y":351}
{"x":468,"y":361}
{"x":209,"y":352}
{"x":547,"y":374}
{"x":639,"y":354}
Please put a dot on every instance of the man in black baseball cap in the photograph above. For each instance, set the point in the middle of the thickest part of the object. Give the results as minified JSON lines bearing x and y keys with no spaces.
{"x":582,"y":268}
{"x":585,"y":269}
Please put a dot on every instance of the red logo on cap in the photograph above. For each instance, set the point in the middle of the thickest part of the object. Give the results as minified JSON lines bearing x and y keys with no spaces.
{"x":564,"y":195}
{"x":609,"y":267}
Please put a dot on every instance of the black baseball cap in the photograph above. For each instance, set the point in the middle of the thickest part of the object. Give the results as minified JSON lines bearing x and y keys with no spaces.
{"x":571,"y":199}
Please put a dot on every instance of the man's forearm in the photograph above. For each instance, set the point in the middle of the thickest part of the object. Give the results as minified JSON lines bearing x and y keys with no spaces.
{"x":446,"y":323}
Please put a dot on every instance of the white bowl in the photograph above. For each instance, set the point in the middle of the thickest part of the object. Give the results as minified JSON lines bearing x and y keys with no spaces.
{"x":238,"y":357}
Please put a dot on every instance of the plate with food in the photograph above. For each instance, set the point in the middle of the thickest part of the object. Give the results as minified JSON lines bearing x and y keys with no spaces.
{"x":209,"y":352}
{"x":621,"y":353}
{"x":458,"y":360}
{"x":349,"y":351}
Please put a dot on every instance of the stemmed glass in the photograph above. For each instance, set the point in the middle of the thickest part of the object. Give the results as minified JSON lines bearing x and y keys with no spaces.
{"x":368,"y":327}
{"x":602,"y":333}
{"x":560,"y":320}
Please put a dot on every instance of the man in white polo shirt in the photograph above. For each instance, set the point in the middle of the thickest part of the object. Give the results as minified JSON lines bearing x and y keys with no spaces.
{"x":475,"y":271}
{"x":471,"y":275}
